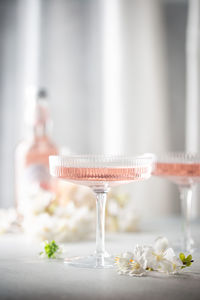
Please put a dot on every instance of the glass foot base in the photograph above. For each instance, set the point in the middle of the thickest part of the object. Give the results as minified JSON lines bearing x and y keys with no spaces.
{"x":91,"y":262}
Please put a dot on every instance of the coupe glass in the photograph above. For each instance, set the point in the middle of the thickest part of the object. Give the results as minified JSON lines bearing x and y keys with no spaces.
{"x":184,"y":170}
{"x":100,"y":172}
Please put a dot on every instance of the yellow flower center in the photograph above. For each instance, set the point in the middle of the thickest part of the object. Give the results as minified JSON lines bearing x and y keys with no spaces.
{"x":134,"y":265}
{"x":117,"y":259}
{"x":159,"y":256}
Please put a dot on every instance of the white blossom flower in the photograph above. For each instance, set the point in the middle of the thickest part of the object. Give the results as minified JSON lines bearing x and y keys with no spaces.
{"x":140,"y":254}
{"x":8,"y":220}
{"x":161,"y":258}
{"x":136,"y":268}
{"x":128,"y":264}
{"x":158,"y":257}
{"x":128,"y":219}
{"x":122,"y":262}
{"x":68,"y":223}
{"x":35,"y":201}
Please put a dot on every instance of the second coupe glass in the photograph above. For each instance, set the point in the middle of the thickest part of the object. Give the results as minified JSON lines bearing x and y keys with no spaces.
{"x":184,"y":170}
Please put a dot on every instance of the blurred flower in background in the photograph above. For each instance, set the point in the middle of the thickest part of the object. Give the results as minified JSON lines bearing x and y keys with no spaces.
{"x":8,"y":218}
{"x":69,"y":213}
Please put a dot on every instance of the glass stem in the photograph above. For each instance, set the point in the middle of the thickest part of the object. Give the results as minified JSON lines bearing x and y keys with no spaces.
{"x":186,"y":197}
{"x":101,"y":197}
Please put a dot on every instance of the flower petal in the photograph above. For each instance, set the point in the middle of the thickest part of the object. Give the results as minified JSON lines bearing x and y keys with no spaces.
{"x":161,"y":244}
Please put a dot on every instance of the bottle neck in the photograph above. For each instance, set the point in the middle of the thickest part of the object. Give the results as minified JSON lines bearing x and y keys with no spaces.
{"x":37,"y":132}
{"x":40,"y":131}
{"x":40,"y":123}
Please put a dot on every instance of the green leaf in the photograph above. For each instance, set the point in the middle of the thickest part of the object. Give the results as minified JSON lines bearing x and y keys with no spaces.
{"x":50,"y":249}
{"x":182,"y":256}
{"x":189,"y":258}
{"x":187,"y":261}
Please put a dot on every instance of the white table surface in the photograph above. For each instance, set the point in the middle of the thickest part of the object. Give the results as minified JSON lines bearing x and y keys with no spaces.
{"x":25,"y":276}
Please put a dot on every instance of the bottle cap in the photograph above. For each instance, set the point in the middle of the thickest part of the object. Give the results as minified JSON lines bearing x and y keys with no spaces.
{"x":42,"y":93}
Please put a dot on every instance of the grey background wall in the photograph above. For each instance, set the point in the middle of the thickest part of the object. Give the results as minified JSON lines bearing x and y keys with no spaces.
{"x":115,"y":73}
